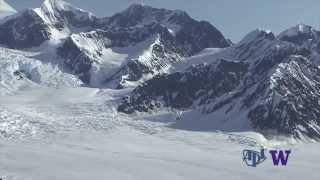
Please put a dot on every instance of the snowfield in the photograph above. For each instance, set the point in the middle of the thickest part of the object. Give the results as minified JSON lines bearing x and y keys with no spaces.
{"x":75,"y":133}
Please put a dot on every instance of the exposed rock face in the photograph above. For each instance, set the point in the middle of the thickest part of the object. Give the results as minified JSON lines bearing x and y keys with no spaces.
{"x":80,"y":57}
{"x":273,"y":82}
{"x":24,"y":31}
{"x":191,"y":35}
{"x":177,"y":34}
{"x":181,"y":90}
{"x":291,"y":104}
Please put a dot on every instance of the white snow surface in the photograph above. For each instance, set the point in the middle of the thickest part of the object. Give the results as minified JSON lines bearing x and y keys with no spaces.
{"x":6,"y":9}
{"x":50,"y":9}
{"x":33,"y":73}
{"x":4,"y":6}
{"x":54,"y":12}
{"x":76,"y":133}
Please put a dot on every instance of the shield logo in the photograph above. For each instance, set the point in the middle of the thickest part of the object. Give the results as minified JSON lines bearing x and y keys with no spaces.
{"x":253,"y":158}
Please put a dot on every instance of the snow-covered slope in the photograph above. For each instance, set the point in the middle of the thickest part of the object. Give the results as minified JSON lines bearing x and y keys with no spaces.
{"x":6,"y":9}
{"x":77,"y":134}
{"x":19,"y":71}
{"x":61,"y":15}
{"x":54,"y":20}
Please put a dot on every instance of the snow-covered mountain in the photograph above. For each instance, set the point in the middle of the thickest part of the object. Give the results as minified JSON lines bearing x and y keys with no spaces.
{"x":63,"y":15}
{"x":147,"y":39}
{"x":54,"y":20}
{"x":266,"y":83}
{"x":118,"y":97}
{"x":165,"y":34}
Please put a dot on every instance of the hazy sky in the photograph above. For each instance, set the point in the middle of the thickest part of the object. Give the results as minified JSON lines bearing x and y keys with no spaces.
{"x":234,"y":18}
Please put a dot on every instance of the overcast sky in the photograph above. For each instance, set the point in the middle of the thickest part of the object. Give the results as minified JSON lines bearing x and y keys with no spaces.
{"x":234,"y":18}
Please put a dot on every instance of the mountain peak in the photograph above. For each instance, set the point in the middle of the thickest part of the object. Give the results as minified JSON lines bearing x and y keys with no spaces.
{"x":299,"y":34}
{"x":58,"y":5}
{"x":60,"y":14}
{"x":52,"y":3}
{"x":304,"y":28}
{"x":140,"y":15}
{"x":298,"y":29}
{"x":140,"y":8}
{"x":258,"y":34}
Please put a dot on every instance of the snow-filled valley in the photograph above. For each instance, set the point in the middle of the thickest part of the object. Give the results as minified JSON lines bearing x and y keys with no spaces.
{"x":75,"y":133}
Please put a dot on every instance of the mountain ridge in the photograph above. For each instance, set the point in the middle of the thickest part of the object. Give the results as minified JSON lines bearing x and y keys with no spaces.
{"x":267,"y":83}
{"x":60,"y":22}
